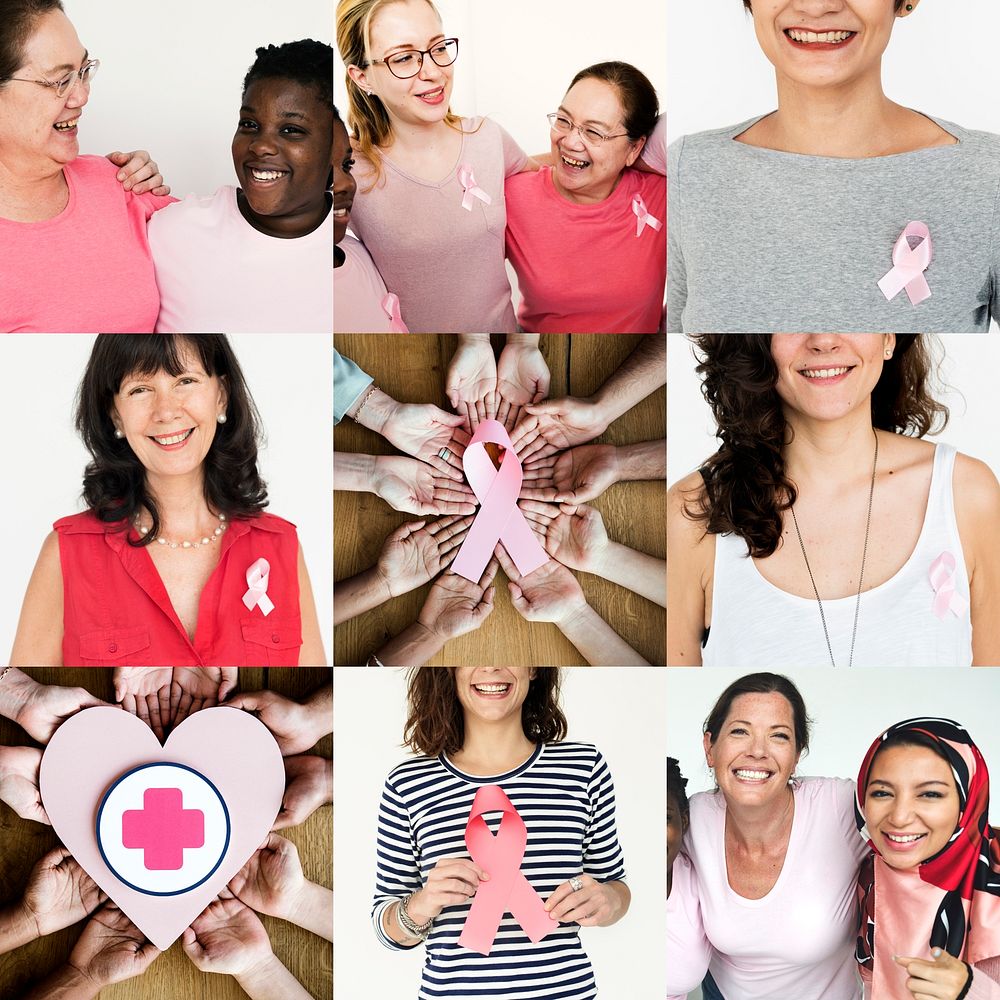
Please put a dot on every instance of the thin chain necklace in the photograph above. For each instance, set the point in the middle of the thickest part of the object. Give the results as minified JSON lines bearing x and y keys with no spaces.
{"x":861,"y":575}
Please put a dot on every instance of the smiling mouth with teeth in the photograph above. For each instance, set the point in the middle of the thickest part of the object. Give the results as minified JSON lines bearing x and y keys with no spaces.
{"x":825,"y":372}
{"x":174,"y":438}
{"x":745,"y":774}
{"x":491,"y":688}
{"x":575,"y":164}
{"x":908,"y":838}
{"x":66,"y":126}
{"x":802,"y":37}
{"x":267,"y":175}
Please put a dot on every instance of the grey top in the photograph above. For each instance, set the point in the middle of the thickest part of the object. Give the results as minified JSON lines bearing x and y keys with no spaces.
{"x":767,"y":241}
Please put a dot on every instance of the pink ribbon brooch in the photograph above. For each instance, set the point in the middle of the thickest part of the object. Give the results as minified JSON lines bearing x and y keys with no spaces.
{"x":909,"y":264}
{"x":390,"y":305}
{"x":472,"y":190}
{"x":946,"y":597}
{"x":256,"y":596}
{"x":643,"y":217}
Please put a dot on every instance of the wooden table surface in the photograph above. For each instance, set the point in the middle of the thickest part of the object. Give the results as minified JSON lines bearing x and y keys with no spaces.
{"x":412,"y":368}
{"x":172,"y":976}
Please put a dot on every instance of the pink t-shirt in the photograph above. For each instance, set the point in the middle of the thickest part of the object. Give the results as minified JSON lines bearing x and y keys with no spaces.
{"x":582,"y":268}
{"x":797,"y":943}
{"x":88,"y":270}
{"x":359,"y":293}
{"x":445,"y":262}
{"x":688,"y":950}
{"x":217,"y":274}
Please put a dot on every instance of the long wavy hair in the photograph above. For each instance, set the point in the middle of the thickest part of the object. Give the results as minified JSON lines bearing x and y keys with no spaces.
{"x":114,"y":482}
{"x":744,"y":487}
{"x":435,"y":722}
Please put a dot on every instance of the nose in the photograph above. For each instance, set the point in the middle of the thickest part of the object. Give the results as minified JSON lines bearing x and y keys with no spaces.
{"x":429,"y":70}
{"x":819,"y":7}
{"x":823,"y":343}
{"x":263,"y":145}
{"x":901,"y":813}
{"x":167,"y":407}
{"x":78,"y":94}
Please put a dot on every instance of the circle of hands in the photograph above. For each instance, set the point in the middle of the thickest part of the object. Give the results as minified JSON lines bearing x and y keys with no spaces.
{"x":228,"y":937}
{"x":561,"y":471}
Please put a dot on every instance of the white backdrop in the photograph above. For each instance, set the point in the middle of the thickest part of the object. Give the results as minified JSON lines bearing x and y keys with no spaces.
{"x":718,"y":76}
{"x":619,"y":709}
{"x":969,"y":361}
{"x":290,"y":377}
{"x":171,"y":76}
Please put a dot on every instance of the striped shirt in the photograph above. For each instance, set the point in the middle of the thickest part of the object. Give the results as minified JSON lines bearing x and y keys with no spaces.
{"x":565,"y":795}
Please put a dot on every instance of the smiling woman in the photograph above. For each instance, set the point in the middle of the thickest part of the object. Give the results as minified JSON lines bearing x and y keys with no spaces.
{"x":256,"y":258}
{"x":174,"y":562}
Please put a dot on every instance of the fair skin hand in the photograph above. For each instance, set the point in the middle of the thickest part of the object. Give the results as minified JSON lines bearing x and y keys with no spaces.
{"x":405,"y":484}
{"x":163,"y":697}
{"x":471,"y":383}
{"x":229,"y":939}
{"x":139,"y":174}
{"x":585,"y":472}
{"x":453,"y":607}
{"x":39,"y":709}
{"x":272,"y":882}
{"x":411,"y":555}
{"x":942,"y":978}
{"x":309,"y":785}
{"x":522,"y":377}
{"x":595,"y":904}
{"x":19,"y":782}
{"x":296,"y":727}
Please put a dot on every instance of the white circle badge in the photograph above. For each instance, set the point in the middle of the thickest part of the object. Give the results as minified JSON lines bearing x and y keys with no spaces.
{"x":163,"y":829}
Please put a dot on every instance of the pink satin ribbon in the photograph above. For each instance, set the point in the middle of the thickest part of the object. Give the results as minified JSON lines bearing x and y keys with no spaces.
{"x":256,"y":595}
{"x":499,"y":518}
{"x":507,"y":890}
{"x":391,"y":306}
{"x":643,"y":217}
{"x":472,"y":190}
{"x":946,"y":597}
{"x":908,"y":265}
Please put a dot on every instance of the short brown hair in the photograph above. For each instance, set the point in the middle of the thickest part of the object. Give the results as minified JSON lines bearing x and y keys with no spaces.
{"x":17,"y":22}
{"x":435,"y":723}
{"x":761,"y":683}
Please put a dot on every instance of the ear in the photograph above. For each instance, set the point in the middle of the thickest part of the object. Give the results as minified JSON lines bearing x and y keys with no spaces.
{"x":223,"y":393}
{"x":909,"y":6}
{"x":532,"y":674}
{"x":706,"y":742}
{"x":359,"y":76}
{"x":635,"y":151}
{"x":116,"y":419}
{"x":889,"y":343}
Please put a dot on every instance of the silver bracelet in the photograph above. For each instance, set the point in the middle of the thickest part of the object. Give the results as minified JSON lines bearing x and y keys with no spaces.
{"x":406,"y":922}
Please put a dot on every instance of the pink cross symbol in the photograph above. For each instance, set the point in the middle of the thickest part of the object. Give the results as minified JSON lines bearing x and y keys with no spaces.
{"x":163,"y":828}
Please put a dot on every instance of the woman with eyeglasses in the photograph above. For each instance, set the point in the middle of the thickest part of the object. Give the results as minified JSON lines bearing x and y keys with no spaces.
{"x":586,"y":235}
{"x":256,"y":258}
{"x":430,"y":206}
{"x":72,"y":228}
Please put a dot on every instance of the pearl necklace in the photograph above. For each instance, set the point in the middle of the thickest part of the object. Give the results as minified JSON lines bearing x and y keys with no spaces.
{"x":207,"y":540}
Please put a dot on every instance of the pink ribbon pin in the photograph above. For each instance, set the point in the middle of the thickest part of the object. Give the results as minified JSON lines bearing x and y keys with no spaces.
{"x":391,"y":306}
{"x":909,"y":264}
{"x":507,"y":890}
{"x":498,"y":518}
{"x":256,"y":595}
{"x":946,"y":597}
{"x":642,"y":216}
{"x":472,"y":190}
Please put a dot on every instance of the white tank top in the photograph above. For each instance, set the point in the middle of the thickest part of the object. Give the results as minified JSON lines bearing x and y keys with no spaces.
{"x":755,"y":625}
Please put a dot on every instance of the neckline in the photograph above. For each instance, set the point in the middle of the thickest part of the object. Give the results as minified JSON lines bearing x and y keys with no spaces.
{"x":492,"y":779}
{"x":733,"y":131}
{"x":420,"y":180}
{"x":62,"y":215}
{"x":918,"y":545}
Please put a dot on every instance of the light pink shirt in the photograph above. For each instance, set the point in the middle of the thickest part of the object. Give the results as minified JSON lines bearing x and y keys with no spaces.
{"x":88,"y":270}
{"x":445,"y":262}
{"x":688,"y":950}
{"x":654,"y":153}
{"x":358,"y":293}
{"x":217,"y":274}
{"x":797,"y":943}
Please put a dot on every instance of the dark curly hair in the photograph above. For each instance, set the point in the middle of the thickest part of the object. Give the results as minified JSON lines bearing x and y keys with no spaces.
{"x":435,"y":723}
{"x":114,"y":483}
{"x":307,"y":62}
{"x":744,"y":487}
{"x":761,"y":683}
{"x":677,"y":787}
{"x":17,"y":23}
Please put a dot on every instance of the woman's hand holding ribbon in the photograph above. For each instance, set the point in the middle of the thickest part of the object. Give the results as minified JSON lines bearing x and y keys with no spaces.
{"x":415,"y":487}
{"x":942,"y":978}
{"x":593,"y":905}
{"x":451,"y":882}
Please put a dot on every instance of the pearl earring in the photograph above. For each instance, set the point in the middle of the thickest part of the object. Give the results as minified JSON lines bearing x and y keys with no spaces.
{"x":221,"y":418}
{"x":888,"y":354}
{"x":119,"y":433}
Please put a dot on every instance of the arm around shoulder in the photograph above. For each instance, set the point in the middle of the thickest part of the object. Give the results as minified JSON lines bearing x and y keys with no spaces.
{"x":38,"y":641}
{"x":312,"y":653}
{"x":690,"y":555}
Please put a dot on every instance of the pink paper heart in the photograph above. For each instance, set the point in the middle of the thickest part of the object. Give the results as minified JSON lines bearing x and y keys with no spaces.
{"x":91,"y":750}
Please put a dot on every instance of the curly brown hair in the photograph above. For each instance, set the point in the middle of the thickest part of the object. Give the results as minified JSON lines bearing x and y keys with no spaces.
{"x":744,"y":486}
{"x":435,"y":723}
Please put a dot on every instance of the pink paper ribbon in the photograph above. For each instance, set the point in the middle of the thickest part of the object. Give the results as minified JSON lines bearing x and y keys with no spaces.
{"x":642,"y":216}
{"x":256,"y":595}
{"x":507,"y":890}
{"x":908,"y":265}
{"x":391,"y":306}
{"x":472,"y":190}
{"x":499,"y":518}
{"x":946,"y":597}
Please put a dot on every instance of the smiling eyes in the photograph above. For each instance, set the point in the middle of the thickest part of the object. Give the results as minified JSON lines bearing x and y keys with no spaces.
{"x":740,"y":731}
{"x":882,"y":793}
{"x":293,"y":131}
{"x":184,"y":380}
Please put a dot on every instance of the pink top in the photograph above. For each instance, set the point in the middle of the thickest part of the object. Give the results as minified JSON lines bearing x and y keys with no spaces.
{"x":797,"y":943}
{"x":445,"y":262}
{"x":688,"y":950}
{"x":359,"y":293}
{"x":88,"y":270}
{"x":217,"y":274}
{"x":985,"y":980}
{"x":582,"y":268}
